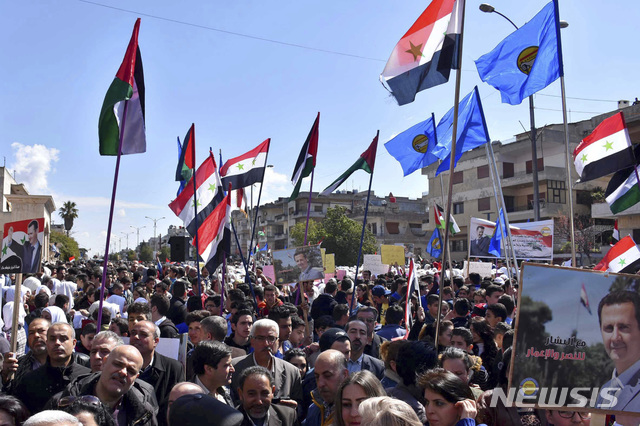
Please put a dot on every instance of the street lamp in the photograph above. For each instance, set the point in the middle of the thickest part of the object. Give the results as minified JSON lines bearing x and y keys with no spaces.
{"x":155,"y":221}
{"x":138,"y":233}
{"x":487,"y":8}
{"x":127,"y":235}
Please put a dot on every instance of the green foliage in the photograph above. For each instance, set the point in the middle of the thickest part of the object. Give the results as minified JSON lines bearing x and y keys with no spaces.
{"x":131,"y":255}
{"x":314,"y":235}
{"x":342,"y":237}
{"x":598,"y":195}
{"x":146,"y":252}
{"x":114,"y":257}
{"x":164,"y":253}
{"x":68,"y":212}
{"x":67,"y":245}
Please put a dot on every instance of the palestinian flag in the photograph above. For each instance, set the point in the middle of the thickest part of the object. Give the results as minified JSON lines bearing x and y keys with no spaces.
{"x":624,"y":257}
{"x":306,"y":160}
{"x":605,"y":151}
{"x":623,"y":191}
{"x":440,"y":222}
{"x":616,"y":232}
{"x":184,"y":171}
{"x":125,"y":96}
{"x":366,"y":162}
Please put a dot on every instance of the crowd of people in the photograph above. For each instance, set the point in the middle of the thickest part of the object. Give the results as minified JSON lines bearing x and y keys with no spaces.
{"x":340,"y":352}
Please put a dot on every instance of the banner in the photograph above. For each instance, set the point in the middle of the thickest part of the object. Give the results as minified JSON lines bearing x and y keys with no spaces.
{"x":373,"y":263}
{"x":330,"y":263}
{"x":482,"y":268}
{"x":531,"y":240}
{"x":577,"y":329}
{"x":298,"y":264}
{"x":391,"y":254}
{"x":22,"y":246}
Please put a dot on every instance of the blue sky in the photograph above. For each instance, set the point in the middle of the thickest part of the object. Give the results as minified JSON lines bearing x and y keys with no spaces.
{"x":61,"y":56}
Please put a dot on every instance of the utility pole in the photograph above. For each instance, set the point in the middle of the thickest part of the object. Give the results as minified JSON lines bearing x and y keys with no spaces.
{"x":155,"y":222}
{"x":127,"y":235}
{"x":138,"y":233}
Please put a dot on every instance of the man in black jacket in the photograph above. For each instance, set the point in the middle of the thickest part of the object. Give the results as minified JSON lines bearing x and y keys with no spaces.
{"x":256,"y":388}
{"x":178,"y":308}
{"x":132,"y":402}
{"x":61,"y":368}
{"x":158,"y":370}
{"x":35,"y":358}
{"x":159,"y":306}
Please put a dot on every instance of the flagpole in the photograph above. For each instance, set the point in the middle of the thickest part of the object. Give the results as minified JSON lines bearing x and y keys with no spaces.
{"x":224,"y":278}
{"x":195,"y":203}
{"x":568,"y":167}
{"x":447,"y":248}
{"x":244,"y":263}
{"x":364,"y":225}
{"x":306,"y":229}
{"x":110,"y":223}
{"x":452,"y":165}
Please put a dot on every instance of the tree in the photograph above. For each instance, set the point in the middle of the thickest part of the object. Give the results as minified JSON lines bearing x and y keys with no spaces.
{"x":164,"y":253}
{"x":67,"y":245}
{"x":342,"y":237}
{"x":584,"y":236}
{"x":146,"y":252}
{"x":131,"y":255}
{"x":68,"y":212}
{"x":314,"y":235}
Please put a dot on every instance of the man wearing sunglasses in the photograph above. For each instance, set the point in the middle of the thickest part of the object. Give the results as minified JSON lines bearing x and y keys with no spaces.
{"x":264,"y":341}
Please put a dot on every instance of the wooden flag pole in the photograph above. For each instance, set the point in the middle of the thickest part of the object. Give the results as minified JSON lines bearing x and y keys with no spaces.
{"x":306,"y":229}
{"x":454,"y":137}
{"x":110,"y":223}
{"x":569,"y":167}
{"x":195,"y":203}
{"x":364,"y":225}
{"x":17,"y":295}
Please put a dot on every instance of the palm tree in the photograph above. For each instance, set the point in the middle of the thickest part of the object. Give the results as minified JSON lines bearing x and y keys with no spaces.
{"x":68,"y":212}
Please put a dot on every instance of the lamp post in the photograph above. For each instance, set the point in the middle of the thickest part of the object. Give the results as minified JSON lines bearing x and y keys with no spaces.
{"x":487,"y":8}
{"x":138,"y":234}
{"x":127,"y":235}
{"x":155,"y":221}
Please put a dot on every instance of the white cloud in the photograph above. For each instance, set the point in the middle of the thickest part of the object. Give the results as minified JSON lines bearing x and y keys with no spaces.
{"x":92,"y":202}
{"x":275,"y":185}
{"x":122,"y":213}
{"x":33,"y":165}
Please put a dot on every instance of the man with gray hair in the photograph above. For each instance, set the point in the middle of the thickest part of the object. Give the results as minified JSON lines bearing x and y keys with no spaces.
{"x":102,"y":345}
{"x":159,"y":371}
{"x":52,"y":418}
{"x":264,"y":341}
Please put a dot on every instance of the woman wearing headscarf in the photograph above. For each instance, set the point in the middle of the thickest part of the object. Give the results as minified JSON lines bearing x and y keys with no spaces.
{"x":7,"y":315}
{"x":54,"y":314}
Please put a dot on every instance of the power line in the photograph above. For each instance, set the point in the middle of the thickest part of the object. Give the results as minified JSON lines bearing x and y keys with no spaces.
{"x":579,"y":99}
{"x":571,"y":111}
{"x":204,"y":27}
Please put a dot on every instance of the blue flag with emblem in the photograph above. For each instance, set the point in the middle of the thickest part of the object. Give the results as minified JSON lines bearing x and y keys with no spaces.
{"x":434,"y":248}
{"x":528,"y":60}
{"x":495,"y":245}
{"x":414,"y":148}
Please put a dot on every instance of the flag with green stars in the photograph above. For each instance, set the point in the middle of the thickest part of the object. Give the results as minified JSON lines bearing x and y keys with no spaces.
{"x":605,"y":151}
{"x":246,"y":169}
{"x":624,"y":257}
{"x":208,"y":195}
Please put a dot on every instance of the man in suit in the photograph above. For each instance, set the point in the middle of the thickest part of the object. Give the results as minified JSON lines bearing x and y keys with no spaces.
{"x":480,"y":245}
{"x":30,"y":251}
{"x":358,"y":360}
{"x":157,"y":370}
{"x":256,"y":388}
{"x":307,"y":272}
{"x":619,"y":315}
{"x":213,"y":369}
{"x":286,"y":377}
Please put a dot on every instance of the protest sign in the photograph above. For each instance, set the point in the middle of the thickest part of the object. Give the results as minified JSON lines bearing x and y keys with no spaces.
{"x":22,"y":246}
{"x":330,"y":263}
{"x":566,"y":345}
{"x":298,"y":264}
{"x":482,"y":268}
{"x":531,"y":240}
{"x":269,"y":272}
{"x":373,"y":263}
{"x":391,"y":254}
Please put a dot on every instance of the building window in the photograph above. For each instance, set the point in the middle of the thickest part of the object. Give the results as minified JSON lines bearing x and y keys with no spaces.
{"x":459,"y":245}
{"x":458,"y":208}
{"x":483,"y":172}
{"x":583,"y":197}
{"x":484,"y":204}
{"x":373,"y":227}
{"x":317,"y":209}
{"x":530,"y":166}
{"x":543,"y":199}
{"x":507,"y":170}
{"x":291,"y":210}
{"x":557,"y":191}
{"x":393,"y":227}
{"x":510,"y":203}
{"x":458,"y":177}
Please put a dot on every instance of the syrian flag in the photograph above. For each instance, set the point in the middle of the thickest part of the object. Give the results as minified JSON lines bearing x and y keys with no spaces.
{"x":623,"y":257}
{"x":425,"y":55}
{"x":440,"y":222}
{"x":306,"y":160}
{"x":186,"y":164}
{"x":209,"y":194}
{"x":366,"y":162}
{"x":246,"y":169}
{"x":125,"y":95}
{"x":584,"y":299}
{"x":605,"y":151}
{"x":215,"y":235}
{"x":413,"y":286}
{"x":616,"y":232}
{"x":623,"y":191}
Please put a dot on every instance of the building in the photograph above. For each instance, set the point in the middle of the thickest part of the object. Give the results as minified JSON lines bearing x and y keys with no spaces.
{"x":473,"y":189}
{"x":393,"y":220}
{"x":18,"y":204}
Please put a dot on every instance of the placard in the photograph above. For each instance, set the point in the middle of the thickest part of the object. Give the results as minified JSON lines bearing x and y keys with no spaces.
{"x":22,"y":246}
{"x":391,"y":254}
{"x":330,"y":263}
{"x":482,"y":268}
{"x":298,"y":264}
{"x":566,"y":346}
{"x":269,"y":272}
{"x":373,"y":263}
